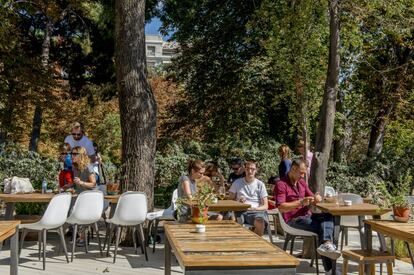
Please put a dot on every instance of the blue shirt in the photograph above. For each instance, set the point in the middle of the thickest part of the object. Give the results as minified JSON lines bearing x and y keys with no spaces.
{"x":284,"y":167}
{"x":67,"y":164}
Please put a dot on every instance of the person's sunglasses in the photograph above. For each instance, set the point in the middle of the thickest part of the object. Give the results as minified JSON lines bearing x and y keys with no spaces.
{"x":76,"y":134}
{"x":235,"y":169}
{"x":75,"y":154}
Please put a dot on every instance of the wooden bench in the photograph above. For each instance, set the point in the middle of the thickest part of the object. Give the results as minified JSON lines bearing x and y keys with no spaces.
{"x":364,"y":257}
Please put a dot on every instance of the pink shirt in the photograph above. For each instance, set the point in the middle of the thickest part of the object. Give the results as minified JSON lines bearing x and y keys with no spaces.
{"x":284,"y":191}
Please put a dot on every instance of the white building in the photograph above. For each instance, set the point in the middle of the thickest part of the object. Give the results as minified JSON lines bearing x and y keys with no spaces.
{"x":158,"y":51}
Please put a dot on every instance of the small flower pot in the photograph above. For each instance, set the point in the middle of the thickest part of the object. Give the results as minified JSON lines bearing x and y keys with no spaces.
{"x":401,"y":214}
{"x":197,"y":217}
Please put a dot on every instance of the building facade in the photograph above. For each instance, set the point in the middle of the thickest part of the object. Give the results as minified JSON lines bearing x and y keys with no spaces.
{"x":158,"y":51}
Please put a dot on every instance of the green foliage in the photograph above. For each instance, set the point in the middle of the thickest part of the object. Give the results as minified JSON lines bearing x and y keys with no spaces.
{"x":14,"y":161}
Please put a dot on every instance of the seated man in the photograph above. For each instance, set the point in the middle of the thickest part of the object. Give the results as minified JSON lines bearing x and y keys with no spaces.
{"x":293,"y":196}
{"x":251,"y":191}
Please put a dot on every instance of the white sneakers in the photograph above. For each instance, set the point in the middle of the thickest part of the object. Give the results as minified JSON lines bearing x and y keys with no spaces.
{"x":330,"y":272}
{"x":329,"y":250}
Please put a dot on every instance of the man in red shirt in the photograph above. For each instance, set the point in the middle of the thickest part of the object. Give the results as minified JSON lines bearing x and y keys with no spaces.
{"x":293,"y":197}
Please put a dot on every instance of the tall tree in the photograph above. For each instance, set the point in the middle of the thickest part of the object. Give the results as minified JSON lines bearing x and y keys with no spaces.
{"x":324,"y":134}
{"x":136,"y":101}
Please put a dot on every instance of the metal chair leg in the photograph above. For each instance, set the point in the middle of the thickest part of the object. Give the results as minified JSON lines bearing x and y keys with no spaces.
{"x":409,"y":252}
{"x":23,"y":236}
{"x":141,"y":229}
{"x":154,"y":236}
{"x":62,"y":239}
{"x":342,"y":231}
{"x":292,"y":244}
{"x":44,"y":248}
{"x":118,"y":235}
{"x":315,"y":240}
{"x":108,"y":237}
{"x":99,"y":238}
{"x":134,"y":239}
{"x":86,"y":240}
{"x":287,"y":237}
{"x":75,"y":231}
{"x":39,"y":238}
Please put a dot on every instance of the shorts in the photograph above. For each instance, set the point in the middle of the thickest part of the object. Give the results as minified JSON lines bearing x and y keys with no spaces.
{"x":248,"y":217}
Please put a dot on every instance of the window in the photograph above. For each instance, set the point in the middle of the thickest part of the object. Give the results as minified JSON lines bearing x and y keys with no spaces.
{"x":151,"y":50}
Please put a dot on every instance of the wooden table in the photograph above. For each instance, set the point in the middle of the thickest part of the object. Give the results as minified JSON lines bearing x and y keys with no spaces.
{"x":228,"y":205}
{"x":393,"y":229}
{"x":360,"y":210}
{"x":10,"y":229}
{"x":12,"y":199}
{"x":225,"y":248}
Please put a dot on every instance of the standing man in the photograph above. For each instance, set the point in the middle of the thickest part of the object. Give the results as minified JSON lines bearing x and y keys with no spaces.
{"x":77,"y":138}
{"x":293,"y":197}
{"x":238,"y":170}
{"x":309,"y":156}
{"x":251,"y":191}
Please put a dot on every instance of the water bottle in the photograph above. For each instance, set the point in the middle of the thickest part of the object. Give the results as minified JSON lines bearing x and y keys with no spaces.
{"x":44,"y":186}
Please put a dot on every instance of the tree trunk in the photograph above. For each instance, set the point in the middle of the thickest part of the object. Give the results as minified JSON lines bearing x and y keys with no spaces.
{"x":327,"y":114}
{"x":136,"y":101}
{"x":37,"y":117}
{"x":339,"y":142}
{"x":376,"y":138}
{"x":37,"y":124}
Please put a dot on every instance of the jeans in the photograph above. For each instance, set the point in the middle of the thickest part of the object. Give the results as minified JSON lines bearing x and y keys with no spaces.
{"x":321,"y":224}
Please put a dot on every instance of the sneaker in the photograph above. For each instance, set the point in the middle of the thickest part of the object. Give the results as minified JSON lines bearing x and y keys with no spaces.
{"x":329,"y":250}
{"x":330,"y":272}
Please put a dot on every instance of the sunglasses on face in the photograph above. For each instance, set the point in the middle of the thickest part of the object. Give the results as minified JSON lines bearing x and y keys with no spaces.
{"x":76,"y":134}
{"x":235,"y":168}
{"x":75,"y":154}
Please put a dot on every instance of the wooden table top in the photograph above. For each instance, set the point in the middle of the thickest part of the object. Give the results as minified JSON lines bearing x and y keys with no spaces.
{"x":228,"y":205}
{"x":224,"y":244}
{"x":7,"y":229}
{"x":39,"y":197}
{"x":396,"y":230}
{"x":353,"y":210}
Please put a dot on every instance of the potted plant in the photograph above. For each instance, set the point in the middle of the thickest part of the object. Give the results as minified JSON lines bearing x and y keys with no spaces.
{"x":395,"y":196}
{"x":199,"y":202}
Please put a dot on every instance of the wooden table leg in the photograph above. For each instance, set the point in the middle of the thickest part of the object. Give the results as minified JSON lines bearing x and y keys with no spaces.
{"x":368,"y":244}
{"x":337,"y":225}
{"x":9,"y":211}
{"x":14,"y":252}
{"x":167,"y":255}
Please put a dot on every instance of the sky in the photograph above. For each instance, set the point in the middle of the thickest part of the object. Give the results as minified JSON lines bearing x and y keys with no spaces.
{"x":153,"y":26}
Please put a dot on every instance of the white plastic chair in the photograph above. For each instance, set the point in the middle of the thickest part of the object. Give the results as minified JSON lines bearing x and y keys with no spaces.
{"x":291,"y":233}
{"x":350,"y":221}
{"x":53,"y":218}
{"x":131,"y":211}
{"x":162,"y":215}
{"x":329,"y":190}
{"x":86,"y":211}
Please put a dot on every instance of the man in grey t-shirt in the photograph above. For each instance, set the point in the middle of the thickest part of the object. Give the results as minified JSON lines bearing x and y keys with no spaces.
{"x":251,"y":191}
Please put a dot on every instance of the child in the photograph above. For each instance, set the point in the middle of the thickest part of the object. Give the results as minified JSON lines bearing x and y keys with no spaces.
{"x":66,"y":175}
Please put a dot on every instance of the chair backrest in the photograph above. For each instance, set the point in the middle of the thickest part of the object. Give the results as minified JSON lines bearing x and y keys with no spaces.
{"x":410,"y":200}
{"x":132,"y":208}
{"x":174,"y":199}
{"x":282,"y":221}
{"x":88,"y":206}
{"x":329,"y":190}
{"x":355,"y":198}
{"x":57,"y":211}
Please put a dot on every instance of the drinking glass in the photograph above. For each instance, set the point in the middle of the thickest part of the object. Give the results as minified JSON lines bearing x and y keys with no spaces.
{"x":222,"y":192}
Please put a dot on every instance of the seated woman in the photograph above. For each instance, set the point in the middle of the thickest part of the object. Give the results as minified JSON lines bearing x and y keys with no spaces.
{"x":187,"y":186}
{"x":84,"y":179}
{"x":213,"y":176}
{"x":83,"y":170}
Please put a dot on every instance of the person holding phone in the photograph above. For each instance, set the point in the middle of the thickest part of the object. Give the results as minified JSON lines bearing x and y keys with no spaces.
{"x":293,"y":198}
